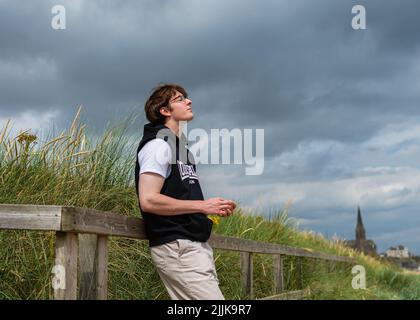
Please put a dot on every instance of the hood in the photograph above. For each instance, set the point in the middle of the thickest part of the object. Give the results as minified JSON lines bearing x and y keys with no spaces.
{"x":150,"y":131}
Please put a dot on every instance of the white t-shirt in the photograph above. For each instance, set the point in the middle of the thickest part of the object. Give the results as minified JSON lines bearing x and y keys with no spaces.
{"x":155,"y":156}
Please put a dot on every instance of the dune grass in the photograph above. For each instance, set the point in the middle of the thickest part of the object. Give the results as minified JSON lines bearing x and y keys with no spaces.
{"x":70,"y":169}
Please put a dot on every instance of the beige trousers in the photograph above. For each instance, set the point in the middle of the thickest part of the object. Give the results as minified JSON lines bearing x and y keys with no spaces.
{"x":187,"y":270}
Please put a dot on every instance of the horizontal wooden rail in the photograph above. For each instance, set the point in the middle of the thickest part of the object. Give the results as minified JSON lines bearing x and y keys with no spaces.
{"x":73,"y":248}
{"x":245,"y":245}
{"x":290,"y":295}
{"x":30,"y":217}
{"x":82,"y":220}
{"x":70,"y":219}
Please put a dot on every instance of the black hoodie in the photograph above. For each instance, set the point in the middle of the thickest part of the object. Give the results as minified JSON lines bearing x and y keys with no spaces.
{"x":183,"y":184}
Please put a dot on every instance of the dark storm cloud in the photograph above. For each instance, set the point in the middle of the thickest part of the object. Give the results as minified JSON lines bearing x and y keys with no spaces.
{"x":268,"y":64}
{"x":297,"y":69}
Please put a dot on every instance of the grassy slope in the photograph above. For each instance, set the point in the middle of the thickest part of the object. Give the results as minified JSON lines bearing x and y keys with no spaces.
{"x":68,"y":170}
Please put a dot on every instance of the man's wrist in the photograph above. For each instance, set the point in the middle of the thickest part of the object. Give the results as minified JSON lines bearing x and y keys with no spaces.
{"x":199,"y":205}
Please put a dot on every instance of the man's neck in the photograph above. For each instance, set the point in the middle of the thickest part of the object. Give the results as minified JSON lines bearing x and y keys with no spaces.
{"x":175,"y":126}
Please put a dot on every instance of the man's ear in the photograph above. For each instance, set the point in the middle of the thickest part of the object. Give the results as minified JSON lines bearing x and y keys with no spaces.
{"x":165,"y":111}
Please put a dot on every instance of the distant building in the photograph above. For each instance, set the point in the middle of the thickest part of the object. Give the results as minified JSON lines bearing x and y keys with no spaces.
{"x":397,"y":252}
{"x":403,"y":258}
{"x":360,"y":243}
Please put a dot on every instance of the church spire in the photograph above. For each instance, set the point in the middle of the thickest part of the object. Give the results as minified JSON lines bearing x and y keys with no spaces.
{"x":360,"y":230}
{"x":359,"y":218}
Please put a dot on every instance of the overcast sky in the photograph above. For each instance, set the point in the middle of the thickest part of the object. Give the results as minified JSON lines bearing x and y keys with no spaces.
{"x":339,"y":107}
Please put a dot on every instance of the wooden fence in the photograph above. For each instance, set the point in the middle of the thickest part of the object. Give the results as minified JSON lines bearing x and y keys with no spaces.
{"x":81,"y":248}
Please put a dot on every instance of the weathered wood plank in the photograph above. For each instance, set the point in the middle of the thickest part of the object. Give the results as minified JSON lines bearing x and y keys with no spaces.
{"x":290,"y":295}
{"x":65,"y":266}
{"x":245,"y":245}
{"x":278,"y":274}
{"x":30,"y":217}
{"x":331,"y":265}
{"x":93,"y":267}
{"x":99,"y":222}
{"x":247,"y":272}
{"x":87,"y":266}
{"x":314,"y":266}
{"x":82,"y":220}
{"x":299,"y":268}
{"x":102,"y":268}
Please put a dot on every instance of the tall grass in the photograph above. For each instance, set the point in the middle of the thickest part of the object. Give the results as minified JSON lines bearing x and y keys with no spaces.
{"x":71,"y":169}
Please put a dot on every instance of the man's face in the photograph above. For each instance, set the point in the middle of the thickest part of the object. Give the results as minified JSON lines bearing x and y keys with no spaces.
{"x":181,"y":108}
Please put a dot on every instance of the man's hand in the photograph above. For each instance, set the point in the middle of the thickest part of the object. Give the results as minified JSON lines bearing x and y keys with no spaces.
{"x":218,"y":206}
{"x":153,"y":201}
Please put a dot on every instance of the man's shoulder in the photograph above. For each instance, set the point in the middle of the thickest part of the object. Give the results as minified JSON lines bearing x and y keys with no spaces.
{"x":155,"y":145}
{"x":155,"y":151}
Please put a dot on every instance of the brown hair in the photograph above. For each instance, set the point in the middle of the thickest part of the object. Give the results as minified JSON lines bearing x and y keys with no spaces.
{"x":160,"y":97}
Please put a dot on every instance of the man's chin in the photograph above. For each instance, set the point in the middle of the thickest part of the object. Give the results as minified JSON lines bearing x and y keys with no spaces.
{"x":186,"y":119}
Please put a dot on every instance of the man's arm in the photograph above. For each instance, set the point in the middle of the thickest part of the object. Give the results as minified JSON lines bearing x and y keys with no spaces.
{"x":151,"y":200}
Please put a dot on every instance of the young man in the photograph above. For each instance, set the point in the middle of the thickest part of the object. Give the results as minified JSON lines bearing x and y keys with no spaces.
{"x":171,"y":201}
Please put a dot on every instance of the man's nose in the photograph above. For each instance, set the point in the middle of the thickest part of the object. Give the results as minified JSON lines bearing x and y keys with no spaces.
{"x":188,"y":101}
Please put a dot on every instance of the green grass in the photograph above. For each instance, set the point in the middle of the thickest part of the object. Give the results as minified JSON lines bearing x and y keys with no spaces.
{"x":72,"y":170}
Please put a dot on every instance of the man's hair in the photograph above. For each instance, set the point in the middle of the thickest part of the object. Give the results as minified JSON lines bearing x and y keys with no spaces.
{"x":159,"y":98}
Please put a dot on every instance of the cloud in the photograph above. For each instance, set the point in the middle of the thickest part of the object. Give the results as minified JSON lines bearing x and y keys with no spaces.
{"x":29,"y":120}
{"x":339,"y":107}
{"x":328,"y":179}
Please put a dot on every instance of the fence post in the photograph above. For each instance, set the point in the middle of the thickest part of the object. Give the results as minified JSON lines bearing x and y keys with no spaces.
{"x":330,"y":266}
{"x":87,"y":262}
{"x":247,"y":273}
{"x":65,"y":288}
{"x":278,"y":275}
{"x":102,"y":268}
{"x":300,"y":272}
{"x":93,"y":260}
{"x":314,"y":266}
